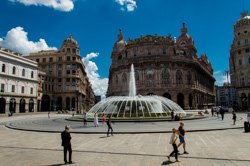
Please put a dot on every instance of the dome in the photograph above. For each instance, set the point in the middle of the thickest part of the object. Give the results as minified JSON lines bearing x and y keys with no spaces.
{"x":70,"y":41}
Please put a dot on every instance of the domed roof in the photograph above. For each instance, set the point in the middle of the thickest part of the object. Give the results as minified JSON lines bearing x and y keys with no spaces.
{"x":120,"y":43}
{"x":70,"y":41}
{"x":244,"y":16}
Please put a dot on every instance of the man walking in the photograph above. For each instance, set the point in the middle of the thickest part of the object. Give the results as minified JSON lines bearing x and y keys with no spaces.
{"x":65,"y":135}
{"x":109,"y":126}
{"x":181,"y":137}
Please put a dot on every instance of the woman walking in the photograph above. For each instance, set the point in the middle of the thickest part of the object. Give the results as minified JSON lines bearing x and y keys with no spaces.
{"x":172,"y":141}
{"x":234,"y":117}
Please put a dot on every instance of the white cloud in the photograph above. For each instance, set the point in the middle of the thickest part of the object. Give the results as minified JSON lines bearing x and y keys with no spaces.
{"x":127,"y":5}
{"x":221,"y":78}
{"x":17,"y":40}
{"x":62,"y":5}
{"x":99,"y":85}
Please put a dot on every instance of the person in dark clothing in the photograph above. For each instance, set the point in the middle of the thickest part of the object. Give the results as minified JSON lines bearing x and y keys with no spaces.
{"x":172,"y":115}
{"x":66,"y":137}
{"x":109,"y":126}
{"x":222,"y":113}
{"x":212,"y":111}
{"x":234,"y":117}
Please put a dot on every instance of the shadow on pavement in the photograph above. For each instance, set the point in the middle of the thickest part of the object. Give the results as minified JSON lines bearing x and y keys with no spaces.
{"x":167,"y":162}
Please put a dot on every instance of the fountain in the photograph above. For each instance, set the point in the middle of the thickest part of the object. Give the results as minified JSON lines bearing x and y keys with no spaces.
{"x":136,"y":106}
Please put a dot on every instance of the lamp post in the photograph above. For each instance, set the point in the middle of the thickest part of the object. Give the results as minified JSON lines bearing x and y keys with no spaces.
{"x":227,"y":73}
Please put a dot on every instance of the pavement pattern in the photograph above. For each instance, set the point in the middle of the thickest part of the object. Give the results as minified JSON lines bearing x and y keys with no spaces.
{"x":57,"y":122}
{"x":229,"y":147}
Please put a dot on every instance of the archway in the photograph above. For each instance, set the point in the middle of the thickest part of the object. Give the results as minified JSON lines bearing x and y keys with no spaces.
{"x":190,"y":101}
{"x":59,"y":103}
{"x":22,"y":105}
{"x":150,"y":94}
{"x":180,"y":100}
{"x":31,"y":105}
{"x":68,"y":103}
{"x":243,"y":98}
{"x":167,"y":95}
{"x":12,"y":105}
{"x":2,"y":105}
{"x":45,"y":104}
{"x":73,"y":102}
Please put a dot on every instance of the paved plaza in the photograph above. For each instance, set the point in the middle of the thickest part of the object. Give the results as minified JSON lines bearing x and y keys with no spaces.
{"x":211,"y":148}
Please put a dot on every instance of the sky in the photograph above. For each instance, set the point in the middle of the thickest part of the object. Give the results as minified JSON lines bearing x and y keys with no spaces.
{"x":33,"y":25}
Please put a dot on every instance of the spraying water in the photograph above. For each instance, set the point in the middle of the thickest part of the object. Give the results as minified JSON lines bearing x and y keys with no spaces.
{"x":132,"y":88}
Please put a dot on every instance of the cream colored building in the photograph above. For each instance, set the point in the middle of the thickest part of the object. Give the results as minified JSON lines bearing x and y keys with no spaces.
{"x":18,"y":83}
{"x":240,"y":60}
{"x":63,"y":82}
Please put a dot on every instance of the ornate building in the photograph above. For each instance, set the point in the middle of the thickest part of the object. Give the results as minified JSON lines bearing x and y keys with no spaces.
{"x":163,"y":66}
{"x":63,"y":83}
{"x":240,"y":60}
{"x":18,"y":82}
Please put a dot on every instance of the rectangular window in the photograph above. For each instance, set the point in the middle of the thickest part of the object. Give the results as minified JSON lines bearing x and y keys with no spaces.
{"x":238,"y":43}
{"x":60,"y":58}
{"x":246,"y":41}
{"x":2,"y":87}
{"x":68,"y":58}
{"x":68,"y":79}
{"x":68,"y":50}
{"x":74,"y":50}
{"x":239,"y":52}
{"x":59,"y":66}
{"x":37,"y":60}
{"x":44,"y":59}
{"x":51,"y":59}
{"x":13,"y":88}
{"x":59,"y":80}
{"x":73,"y":58}
{"x":247,"y":50}
{"x":31,"y":90}
{"x":68,"y":72}
{"x":59,"y":73}
{"x":22,"y":89}
{"x":240,"y":62}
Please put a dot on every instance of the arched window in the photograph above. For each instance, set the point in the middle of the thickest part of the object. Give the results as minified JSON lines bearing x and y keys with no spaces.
{"x":23,"y":72}
{"x":14,"y":70}
{"x":150,"y":74}
{"x":178,"y":77}
{"x":32,"y":74}
{"x":124,"y":78}
{"x":165,"y":76}
{"x":3,"y":68}
{"x":189,"y":77}
{"x":137,"y":75}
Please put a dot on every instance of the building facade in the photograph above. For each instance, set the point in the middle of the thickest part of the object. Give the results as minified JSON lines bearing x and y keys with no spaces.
{"x":240,"y":60}
{"x":63,"y":82}
{"x":18,"y":83}
{"x":163,"y":66}
{"x":226,"y":96}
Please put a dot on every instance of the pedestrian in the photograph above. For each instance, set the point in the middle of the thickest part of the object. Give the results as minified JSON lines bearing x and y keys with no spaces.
{"x":66,"y":143}
{"x":172,"y":115}
{"x":234,"y":117}
{"x":103,"y":119}
{"x":49,"y":115}
{"x":182,"y":137}
{"x":85,"y":119}
{"x":217,"y":111}
{"x":109,"y":124}
{"x":248,"y":116}
{"x":96,"y":120}
{"x":172,"y":141}
{"x":222,"y":113}
{"x":212,"y":111}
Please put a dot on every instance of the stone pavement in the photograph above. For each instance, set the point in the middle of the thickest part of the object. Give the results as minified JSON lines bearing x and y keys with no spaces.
{"x":57,"y":122}
{"x":212,"y":148}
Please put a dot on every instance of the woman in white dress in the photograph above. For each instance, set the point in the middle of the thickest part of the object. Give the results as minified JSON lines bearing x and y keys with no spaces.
{"x":96,"y":120}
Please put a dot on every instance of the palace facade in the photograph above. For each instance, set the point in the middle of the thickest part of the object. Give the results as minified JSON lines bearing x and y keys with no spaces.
{"x":18,"y":83}
{"x":164,"y":66}
{"x":63,"y":82}
{"x":240,"y":60}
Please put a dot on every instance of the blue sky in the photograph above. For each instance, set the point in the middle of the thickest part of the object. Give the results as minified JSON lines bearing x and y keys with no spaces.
{"x":95,"y":24}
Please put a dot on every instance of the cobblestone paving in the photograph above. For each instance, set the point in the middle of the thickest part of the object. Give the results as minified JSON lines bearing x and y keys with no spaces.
{"x":212,"y":148}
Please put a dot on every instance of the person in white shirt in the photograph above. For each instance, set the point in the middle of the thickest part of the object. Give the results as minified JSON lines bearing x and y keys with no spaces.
{"x":172,"y":141}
